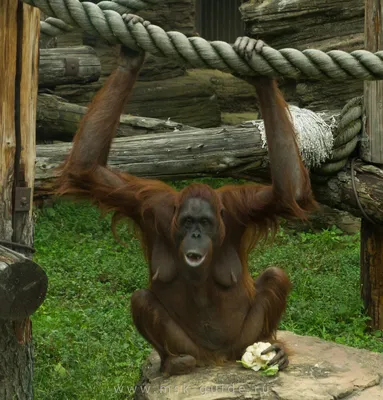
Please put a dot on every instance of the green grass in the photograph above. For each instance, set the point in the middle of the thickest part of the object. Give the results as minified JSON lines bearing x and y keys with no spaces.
{"x":86,"y":346}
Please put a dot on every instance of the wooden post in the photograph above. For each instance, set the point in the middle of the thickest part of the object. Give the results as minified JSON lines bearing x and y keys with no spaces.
{"x":372,"y":272}
{"x":22,"y":283}
{"x":372,"y":143}
{"x":371,"y":250}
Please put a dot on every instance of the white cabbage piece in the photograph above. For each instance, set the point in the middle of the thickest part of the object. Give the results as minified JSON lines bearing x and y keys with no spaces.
{"x":255,"y":360}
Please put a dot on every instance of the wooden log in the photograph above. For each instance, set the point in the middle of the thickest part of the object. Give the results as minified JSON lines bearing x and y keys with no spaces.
{"x":69,"y":65}
{"x":218,"y":152}
{"x":338,"y":191}
{"x":316,"y":24}
{"x":321,"y":24}
{"x":23,"y":285}
{"x":372,"y":143}
{"x":371,"y":250}
{"x":59,"y":120}
{"x":8,"y":41}
{"x":371,"y":272}
{"x":171,"y":154}
{"x":183,"y":99}
{"x":234,"y":95}
{"x":173,"y":15}
{"x":70,"y":39}
{"x":19,"y":46}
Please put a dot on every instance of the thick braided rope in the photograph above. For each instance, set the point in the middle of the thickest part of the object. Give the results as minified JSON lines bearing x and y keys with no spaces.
{"x":56,"y":27}
{"x":346,"y":138}
{"x":196,"y":52}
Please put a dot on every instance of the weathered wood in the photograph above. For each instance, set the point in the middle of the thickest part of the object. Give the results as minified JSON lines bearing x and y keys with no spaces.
{"x":338,"y":192}
{"x":234,"y":95}
{"x":371,"y":273}
{"x":23,"y":285}
{"x":183,"y":99}
{"x":321,"y":95}
{"x":316,"y":24}
{"x":107,"y":54}
{"x":69,"y":65}
{"x":173,"y":15}
{"x":231,"y":151}
{"x":19,"y":39}
{"x":8,"y":38}
{"x":26,"y":127}
{"x":59,"y":120}
{"x":326,"y":217}
{"x":73,"y":38}
{"x":372,"y":144}
{"x":170,"y":154}
{"x":321,"y":24}
{"x":371,"y":249}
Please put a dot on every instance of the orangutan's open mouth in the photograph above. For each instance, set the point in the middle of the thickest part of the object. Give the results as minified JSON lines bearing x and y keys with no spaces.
{"x":194,"y":258}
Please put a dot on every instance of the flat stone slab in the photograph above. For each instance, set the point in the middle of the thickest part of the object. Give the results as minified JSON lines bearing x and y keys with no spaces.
{"x":318,"y":370}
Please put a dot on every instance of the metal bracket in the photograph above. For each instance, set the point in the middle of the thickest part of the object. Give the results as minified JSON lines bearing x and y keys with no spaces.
{"x":23,"y":199}
{"x":72,"y":66}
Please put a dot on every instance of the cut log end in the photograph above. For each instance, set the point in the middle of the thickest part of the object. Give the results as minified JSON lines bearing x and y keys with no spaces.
{"x":23,"y":286}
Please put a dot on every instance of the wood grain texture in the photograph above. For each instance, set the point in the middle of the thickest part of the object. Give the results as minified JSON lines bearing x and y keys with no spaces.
{"x":320,"y":24}
{"x":217,"y":152}
{"x":372,"y":143}
{"x":8,"y":43}
{"x":171,"y":154}
{"x":52,"y":68}
{"x":183,"y":99}
{"x":372,"y":272}
{"x":29,"y":62}
{"x":23,"y":285}
{"x":19,"y":35}
{"x":310,"y":24}
{"x":59,"y":120}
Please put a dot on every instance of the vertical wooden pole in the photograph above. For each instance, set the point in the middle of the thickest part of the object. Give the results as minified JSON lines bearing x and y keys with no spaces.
{"x":372,"y":272}
{"x":372,"y":143}
{"x":371,"y":251}
{"x":19,"y":38}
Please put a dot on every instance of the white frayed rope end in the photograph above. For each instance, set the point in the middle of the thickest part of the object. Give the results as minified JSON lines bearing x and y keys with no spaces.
{"x":314,"y":135}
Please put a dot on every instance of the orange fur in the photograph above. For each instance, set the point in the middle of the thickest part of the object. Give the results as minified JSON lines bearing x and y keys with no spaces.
{"x":250,"y":213}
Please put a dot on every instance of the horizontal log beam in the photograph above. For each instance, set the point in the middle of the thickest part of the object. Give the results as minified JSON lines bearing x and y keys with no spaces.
{"x":59,"y":120}
{"x":23,"y":285}
{"x":184,"y":99}
{"x":217,"y":152}
{"x":174,"y":155}
{"x":68,"y":65}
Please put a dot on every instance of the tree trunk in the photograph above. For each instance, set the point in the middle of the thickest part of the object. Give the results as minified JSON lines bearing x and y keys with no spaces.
{"x":19,"y":40}
{"x":59,"y":120}
{"x":68,"y":65}
{"x":310,"y":24}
